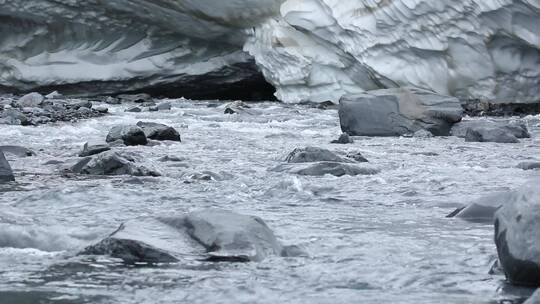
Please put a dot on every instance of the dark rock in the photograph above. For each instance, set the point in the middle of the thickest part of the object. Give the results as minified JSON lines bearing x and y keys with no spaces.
{"x":490,"y":135}
{"x":395,"y":112}
{"x":477,"y":107}
{"x":326,"y":105}
{"x":6,"y":174}
{"x":133,"y":109}
{"x":137,"y":98}
{"x":111,"y":163}
{"x":153,"y":109}
{"x":490,"y":131}
{"x":517,"y":235}
{"x":17,"y":151}
{"x":217,"y":235}
{"x":90,"y":149}
{"x":358,"y":157}
{"x":159,"y":131}
{"x":313,"y":154}
{"x":483,"y":210}
{"x":343,"y":139}
{"x":130,"y":135}
{"x":80,"y":104}
{"x":30,"y":100}
{"x":525,"y":165}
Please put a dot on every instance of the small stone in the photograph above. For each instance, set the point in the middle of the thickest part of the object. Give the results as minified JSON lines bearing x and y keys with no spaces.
{"x":112,"y":101}
{"x":102,"y":109}
{"x":164,"y":106}
{"x":344,"y":138}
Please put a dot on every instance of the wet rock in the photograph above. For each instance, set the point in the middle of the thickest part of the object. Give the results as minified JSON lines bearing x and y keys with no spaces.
{"x":137,"y":98}
{"x":133,"y":109}
{"x":343,"y":139}
{"x":80,"y":105}
{"x":517,"y":235}
{"x":17,"y":151}
{"x":236,"y":107}
{"x":168,"y":158}
{"x":6,"y":174}
{"x":30,"y":100}
{"x":216,"y":235}
{"x":90,"y":149}
{"x":529,"y":165}
{"x":490,"y":131}
{"x":490,"y":135}
{"x":130,"y":135}
{"x":483,"y":210}
{"x":14,"y":117}
{"x":358,"y":157}
{"x":333,"y":168}
{"x":395,"y":112}
{"x":313,"y":154}
{"x":111,"y":163}
{"x":158,"y":131}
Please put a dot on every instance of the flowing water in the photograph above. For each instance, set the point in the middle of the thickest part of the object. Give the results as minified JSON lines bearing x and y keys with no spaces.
{"x":371,"y":239}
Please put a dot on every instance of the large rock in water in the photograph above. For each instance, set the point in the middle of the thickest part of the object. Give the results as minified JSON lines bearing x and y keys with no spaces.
{"x":517,"y":235}
{"x":6,"y":174}
{"x":314,"y":154}
{"x":212,"y":234}
{"x":111,"y":163}
{"x":130,"y":135}
{"x":158,"y":131}
{"x":483,"y":209}
{"x":484,"y":130}
{"x":395,"y":112}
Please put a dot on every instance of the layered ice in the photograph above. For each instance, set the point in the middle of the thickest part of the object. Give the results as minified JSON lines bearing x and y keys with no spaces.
{"x":309,"y":50}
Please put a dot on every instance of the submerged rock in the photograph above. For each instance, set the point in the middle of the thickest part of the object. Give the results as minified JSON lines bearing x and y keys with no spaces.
{"x":158,"y":131}
{"x":490,"y":131}
{"x":130,"y":135}
{"x":517,"y":235}
{"x":333,"y":168}
{"x":313,"y":154}
{"x":529,"y":165}
{"x":212,"y":234}
{"x":90,"y":149}
{"x":357,"y":156}
{"x":6,"y":174}
{"x":483,"y":210}
{"x":343,"y":139}
{"x":395,"y":112}
{"x":111,"y":163}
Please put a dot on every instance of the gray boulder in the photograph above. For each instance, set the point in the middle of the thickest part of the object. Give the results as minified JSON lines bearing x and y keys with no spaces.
{"x":30,"y":100}
{"x":395,"y":112}
{"x":357,"y":156}
{"x":130,"y":135}
{"x":517,"y":235}
{"x":529,"y":165}
{"x":334,"y":168}
{"x":133,"y":110}
{"x":158,"y":131}
{"x":213,"y":234}
{"x":111,"y":163}
{"x":313,"y":154}
{"x":490,"y":131}
{"x":90,"y":149}
{"x":17,"y":151}
{"x":483,"y":210}
{"x":6,"y":174}
{"x":14,"y":117}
